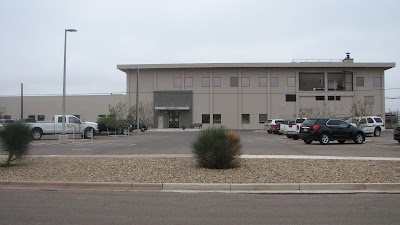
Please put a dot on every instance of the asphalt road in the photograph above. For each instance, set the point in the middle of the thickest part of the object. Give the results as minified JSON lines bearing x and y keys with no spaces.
{"x":112,"y":207}
{"x":179,"y":142}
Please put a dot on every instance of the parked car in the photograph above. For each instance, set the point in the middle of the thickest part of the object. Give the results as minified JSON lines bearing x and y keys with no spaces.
{"x":370,"y":124}
{"x":73,"y":125}
{"x":3,"y":122}
{"x":142,"y":127}
{"x":271,"y":125}
{"x":396,"y":135}
{"x":123,"y":128}
{"x":325,"y":130}
{"x":282,"y":125}
{"x":293,"y":130}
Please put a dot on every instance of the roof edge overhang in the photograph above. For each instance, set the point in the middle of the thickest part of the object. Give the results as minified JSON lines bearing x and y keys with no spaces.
{"x":385,"y":66}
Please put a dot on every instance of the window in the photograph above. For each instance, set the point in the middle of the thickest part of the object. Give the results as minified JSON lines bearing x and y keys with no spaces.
{"x":370,"y":120}
{"x":377,"y":82}
{"x":274,"y":81}
{"x":205,"y":118}
{"x":334,"y":122}
{"x":360,"y":81}
{"x":262,"y":118}
{"x":60,"y":119}
{"x":40,"y":117}
{"x":78,"y":116}
{"x":72,"y":120}
{"x":263,"y":81}
{"x":311,"y":81}
{"x":206,"y":82}
{"x":332,"y":98}
{"x":188,"y":82}
{"x":31,"y":117}
{"x":291,"y":82}
{"x":177,"y":82}
{"x":340,"y":81}
{"x":216,"y":81}
{"x":290,"y":98}
{"x":369,"y":100}
{"x":217,"y":118}
{"x":319,"y":98}
{"x":8,"y":117}
{"x":245,"y":81}
{"x":363,"y":121}
{"x":378,"y":120}
{"x":245,"y":118}
{"x":234,"y":81}
{"x":100,"y":116}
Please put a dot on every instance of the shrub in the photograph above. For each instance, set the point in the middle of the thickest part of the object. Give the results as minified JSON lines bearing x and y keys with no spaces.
{"x":15,"y":139}
{"x":217,"y":148}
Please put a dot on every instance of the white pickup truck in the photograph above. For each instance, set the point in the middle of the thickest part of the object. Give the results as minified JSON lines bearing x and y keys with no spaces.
{"x":292,"y":130}
{"x":73,"y":125}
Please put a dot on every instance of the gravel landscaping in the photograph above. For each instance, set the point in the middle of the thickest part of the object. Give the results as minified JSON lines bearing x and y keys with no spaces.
{"x":184,"y":170}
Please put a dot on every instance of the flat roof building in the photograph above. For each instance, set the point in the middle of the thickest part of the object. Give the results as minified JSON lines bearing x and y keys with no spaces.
{"x":245,"y":95}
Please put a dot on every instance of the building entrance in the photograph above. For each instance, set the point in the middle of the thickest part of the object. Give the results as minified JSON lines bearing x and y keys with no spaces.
{"x":173,"y":119}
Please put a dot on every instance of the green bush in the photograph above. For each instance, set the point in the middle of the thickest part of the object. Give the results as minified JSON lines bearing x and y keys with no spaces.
{"x":217,"y":148}
{"x":15,"y":139}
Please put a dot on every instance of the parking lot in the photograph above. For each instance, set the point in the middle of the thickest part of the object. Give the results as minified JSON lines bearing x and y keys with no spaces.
{"x":179,"y":142}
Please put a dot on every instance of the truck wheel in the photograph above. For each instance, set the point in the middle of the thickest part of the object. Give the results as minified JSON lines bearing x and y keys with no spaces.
{"x":37,"y":134}
{"x":307,"y":141}
{"x":295,"y":137}
{"x":88,"y":133}
{"x":377,"y":132}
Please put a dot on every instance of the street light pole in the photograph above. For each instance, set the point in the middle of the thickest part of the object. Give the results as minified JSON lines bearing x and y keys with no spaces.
{"x":65,"y":77}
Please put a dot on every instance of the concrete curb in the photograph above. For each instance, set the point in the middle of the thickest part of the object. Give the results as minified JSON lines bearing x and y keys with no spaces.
{"x":208,"y":187}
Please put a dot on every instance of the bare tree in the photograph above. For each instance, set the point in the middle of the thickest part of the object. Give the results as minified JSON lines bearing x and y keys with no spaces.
{"x":315,"y":112}
{"x":146,"y":113}
{"x":359,"y":109}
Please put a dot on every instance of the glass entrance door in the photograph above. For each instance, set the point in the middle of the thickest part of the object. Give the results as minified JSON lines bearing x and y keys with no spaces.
{"x":173,"y":120}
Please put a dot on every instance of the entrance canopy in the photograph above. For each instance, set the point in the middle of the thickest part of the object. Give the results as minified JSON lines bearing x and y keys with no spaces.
{"x":173,"y":100}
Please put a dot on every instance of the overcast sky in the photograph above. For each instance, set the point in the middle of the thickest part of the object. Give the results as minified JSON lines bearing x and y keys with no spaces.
{"x":206,"y":31}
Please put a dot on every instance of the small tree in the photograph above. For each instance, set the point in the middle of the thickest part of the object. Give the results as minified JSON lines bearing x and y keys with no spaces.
{"x":309,"y":112}
{"x":15,"y":139}
{"x":146,"y":114}
{"x":359,"y":109}
{"x":217,"y":148}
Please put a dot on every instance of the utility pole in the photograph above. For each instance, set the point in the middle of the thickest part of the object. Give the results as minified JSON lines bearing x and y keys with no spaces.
{"x":22,"y":100}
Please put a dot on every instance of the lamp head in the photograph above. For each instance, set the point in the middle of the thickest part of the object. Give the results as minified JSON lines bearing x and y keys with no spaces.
{"x":71,"y":30}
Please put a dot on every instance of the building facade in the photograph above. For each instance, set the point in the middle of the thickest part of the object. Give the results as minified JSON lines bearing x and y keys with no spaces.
{"x":245,"y":95}
{"x":234,"y":95}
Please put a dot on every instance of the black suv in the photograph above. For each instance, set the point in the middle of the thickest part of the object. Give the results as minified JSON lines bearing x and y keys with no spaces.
{"x":325,"y":130}
{"x":396,"y":134}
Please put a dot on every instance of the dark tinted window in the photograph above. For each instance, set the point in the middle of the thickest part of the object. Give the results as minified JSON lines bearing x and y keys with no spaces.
{"x":309,"y":122}
{"x":333,"y":122}
{"x":370,"y":120}
{"x":330,"y":98}
{"x":300,"y":120}
{"x":378,"y":120}
{"x":319,"y":97}
{"x":322,"y":121}
{"x":290,"y":98}
{"x":337,"y":98}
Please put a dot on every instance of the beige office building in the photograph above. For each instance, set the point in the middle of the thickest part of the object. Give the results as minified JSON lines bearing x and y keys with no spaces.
{"x":235,"y":95}
{"x":245,"y":95}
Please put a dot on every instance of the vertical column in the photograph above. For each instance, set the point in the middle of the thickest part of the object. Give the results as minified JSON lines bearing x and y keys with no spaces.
{"x":240,"y":96}
{"x":211,"y":91}
{"x":183,"y":79}
{"x":297,"y":108}
{"x":269,"y":93}
{"x":383,"y":94}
